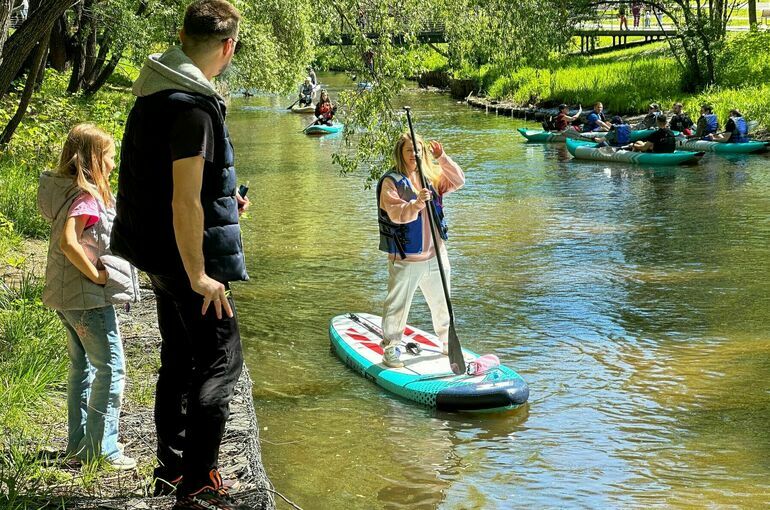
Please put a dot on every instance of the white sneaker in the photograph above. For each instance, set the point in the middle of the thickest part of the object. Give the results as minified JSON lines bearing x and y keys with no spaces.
{"x":391,"y":357}
{"x":122,"y":463}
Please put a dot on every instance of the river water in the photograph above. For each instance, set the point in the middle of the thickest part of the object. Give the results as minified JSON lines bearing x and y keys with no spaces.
{"x":634,"y":301}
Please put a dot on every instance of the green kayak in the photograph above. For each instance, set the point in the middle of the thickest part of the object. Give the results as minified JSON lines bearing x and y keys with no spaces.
{"x":723,"y":148}
{"x":587,"y":150}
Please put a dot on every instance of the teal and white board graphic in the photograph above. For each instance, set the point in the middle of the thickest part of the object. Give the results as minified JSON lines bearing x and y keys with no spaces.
{"x":426,"y":377}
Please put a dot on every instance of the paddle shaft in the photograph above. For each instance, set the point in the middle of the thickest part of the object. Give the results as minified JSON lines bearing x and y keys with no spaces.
{"x":454,"y":348}
{"x":292,"y":105}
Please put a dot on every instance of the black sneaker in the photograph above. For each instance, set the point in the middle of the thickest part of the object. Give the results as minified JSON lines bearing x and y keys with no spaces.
{"x":209,"y":498}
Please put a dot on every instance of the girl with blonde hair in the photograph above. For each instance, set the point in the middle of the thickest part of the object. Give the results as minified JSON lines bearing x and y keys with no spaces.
{"x":405,"y":235}
{"x":83,"y":282}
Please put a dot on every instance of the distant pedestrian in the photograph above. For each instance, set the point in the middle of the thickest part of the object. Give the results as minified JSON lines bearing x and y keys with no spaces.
{"x":636,"y":9}
{"x":82,"y":283}
{"x":647,"y":18}
{"x":622,"y":15}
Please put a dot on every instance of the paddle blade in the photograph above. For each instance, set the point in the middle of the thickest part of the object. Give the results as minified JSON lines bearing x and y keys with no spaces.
{"x":456,"y":360}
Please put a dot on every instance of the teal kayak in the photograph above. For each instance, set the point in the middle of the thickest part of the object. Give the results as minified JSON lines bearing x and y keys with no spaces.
{"x":426,"y":377}
{"x":540,"y":136}
{"x":723,"y":148}
{"x":588,"y":150}
{"x":323,"y":129}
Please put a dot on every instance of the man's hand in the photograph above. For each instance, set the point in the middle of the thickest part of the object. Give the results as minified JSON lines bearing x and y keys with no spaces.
{"x":212,"y":292}
{"x":243,"y":203}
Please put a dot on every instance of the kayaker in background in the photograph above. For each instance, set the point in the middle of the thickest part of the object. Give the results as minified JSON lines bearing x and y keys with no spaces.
{"x":405,"y":235}
{"x":707,"y":123}
{"x":619,"y":134}
{"x":306,"y":93}
{"x":649,"y":120}
{"x":736,"y":130}
{"x":680,"y":121}
{"x":661,"y":141}
{"x":325,"y":110}
{"x":563,"y":119}
{"x":312,"y":76}
{"x":596,"y":120}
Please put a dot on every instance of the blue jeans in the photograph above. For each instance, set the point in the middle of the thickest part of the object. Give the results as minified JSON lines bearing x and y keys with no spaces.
{"x":97,"y":376}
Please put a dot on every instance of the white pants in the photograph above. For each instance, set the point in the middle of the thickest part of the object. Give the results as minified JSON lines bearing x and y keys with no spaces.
{"x":404,"y":278}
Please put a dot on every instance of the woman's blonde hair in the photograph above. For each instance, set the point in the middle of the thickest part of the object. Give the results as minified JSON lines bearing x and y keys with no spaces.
{"x":431,"y":171}
{"x":82,"y":159}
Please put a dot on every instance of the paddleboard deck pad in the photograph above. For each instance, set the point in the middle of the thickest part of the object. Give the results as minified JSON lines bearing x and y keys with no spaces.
{"x":426,"y":377}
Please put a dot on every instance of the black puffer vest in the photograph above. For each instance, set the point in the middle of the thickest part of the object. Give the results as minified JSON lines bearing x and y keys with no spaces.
{"x":143,"y":232}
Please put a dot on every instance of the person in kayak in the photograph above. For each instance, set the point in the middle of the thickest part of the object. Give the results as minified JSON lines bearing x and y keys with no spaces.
{"x":311,"y":74}
{"x":325,"y":110}
{"x":306,"y":92}
{"x":707,"y":123}
{"x":649,"y":120}
{"x":596,"y":120}
{"x":661,"y":141}
{"x":563,"y":120}
{"x":619,"y":134}
{"x":405,"y":235}
{"x":680,"y":121}
{"x":736,"y":130}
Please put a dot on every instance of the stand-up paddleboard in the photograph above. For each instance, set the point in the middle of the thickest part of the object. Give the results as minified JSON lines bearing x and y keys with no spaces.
{"x":426,"y":377}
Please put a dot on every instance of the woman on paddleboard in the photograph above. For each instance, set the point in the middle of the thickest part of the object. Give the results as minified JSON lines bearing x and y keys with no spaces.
{"x":405,"y":236}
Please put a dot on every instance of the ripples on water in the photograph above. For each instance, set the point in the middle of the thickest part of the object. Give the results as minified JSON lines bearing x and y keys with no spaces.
{"x":634,"y":302}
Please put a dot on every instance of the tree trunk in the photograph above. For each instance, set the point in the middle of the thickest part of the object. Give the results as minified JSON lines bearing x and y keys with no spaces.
{"x":5,"y":23}
{"x":23,"y":41}
{"x":753,"y":15}
{"x":59,"y":51}
{"x":29,"y":88}
{"x":79,"y":58}
{"x":104,"y":75}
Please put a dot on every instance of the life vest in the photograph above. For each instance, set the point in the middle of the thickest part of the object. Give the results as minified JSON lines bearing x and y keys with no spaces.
{"x":623,"y":136}
{"x":711,"y":123}
{"x":143,"y":232}
{"x":740,"y":135}
{"x":406,"y":238}
{"x":307,"y":90}
{"x":591,"y":125}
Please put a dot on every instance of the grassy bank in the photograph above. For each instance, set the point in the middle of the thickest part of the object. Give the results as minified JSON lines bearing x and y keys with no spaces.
{"x":626,"y":81}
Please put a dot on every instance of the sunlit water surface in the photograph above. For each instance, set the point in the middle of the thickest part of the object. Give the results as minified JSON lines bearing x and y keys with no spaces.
{"x":633,"y":300}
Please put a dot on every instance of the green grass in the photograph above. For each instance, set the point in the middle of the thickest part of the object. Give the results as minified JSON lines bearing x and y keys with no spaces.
{"x":626,"y":81}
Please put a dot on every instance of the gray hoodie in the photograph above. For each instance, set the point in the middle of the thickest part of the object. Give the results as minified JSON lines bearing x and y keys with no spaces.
{"x":66,"y":288}
{"x":172,"y":70}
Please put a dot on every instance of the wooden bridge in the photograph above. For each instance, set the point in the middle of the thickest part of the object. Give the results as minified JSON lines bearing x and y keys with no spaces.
{"x":620,"y":37}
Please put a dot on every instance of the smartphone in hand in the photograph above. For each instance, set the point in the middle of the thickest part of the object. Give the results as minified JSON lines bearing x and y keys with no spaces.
{"x":242,"y":190}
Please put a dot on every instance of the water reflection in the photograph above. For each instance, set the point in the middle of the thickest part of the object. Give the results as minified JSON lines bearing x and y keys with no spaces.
{"x":634,"y":302}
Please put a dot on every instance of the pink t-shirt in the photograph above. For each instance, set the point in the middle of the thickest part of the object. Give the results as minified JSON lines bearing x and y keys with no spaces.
{"x":85,"y":205}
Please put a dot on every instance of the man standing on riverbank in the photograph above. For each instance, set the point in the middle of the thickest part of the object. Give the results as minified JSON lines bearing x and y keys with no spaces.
{"x":177,"y":219}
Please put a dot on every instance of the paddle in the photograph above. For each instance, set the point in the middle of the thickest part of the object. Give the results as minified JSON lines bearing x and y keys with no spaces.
{"x":456,"y":360}
{"x":315,"y":119}
{"x":292,"y":105}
